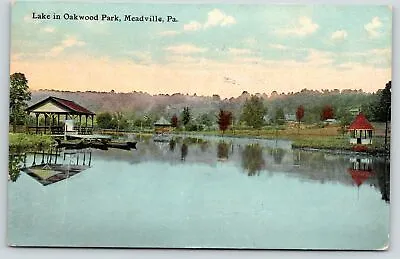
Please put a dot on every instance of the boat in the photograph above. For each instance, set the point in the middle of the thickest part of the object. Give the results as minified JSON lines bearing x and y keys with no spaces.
{"x":95,"y":144}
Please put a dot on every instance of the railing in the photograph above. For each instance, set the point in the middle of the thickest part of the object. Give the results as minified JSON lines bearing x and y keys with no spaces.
{"x":83,"y":130}
{"x":46,"y":129}
{"x":59,"y":130}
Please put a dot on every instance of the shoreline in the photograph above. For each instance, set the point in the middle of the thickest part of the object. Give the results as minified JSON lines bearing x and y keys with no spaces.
{"x":331,"y":144}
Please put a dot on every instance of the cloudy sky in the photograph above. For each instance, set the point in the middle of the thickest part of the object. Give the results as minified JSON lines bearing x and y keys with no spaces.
{"x":213,"y":49}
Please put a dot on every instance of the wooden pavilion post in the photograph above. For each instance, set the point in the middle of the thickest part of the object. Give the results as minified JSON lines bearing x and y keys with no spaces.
{"x":80,"y":123}
{"x":92,"y":123}
{"x":37,"y":122}
{"x":86,"y":129}
{"x":51,"y":117}
{"x":45,"y":122}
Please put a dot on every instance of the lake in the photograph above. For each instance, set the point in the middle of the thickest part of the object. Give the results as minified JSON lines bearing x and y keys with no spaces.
{"x":204,"y":193}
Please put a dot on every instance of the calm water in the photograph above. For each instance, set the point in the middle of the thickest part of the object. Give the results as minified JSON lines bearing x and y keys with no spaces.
{"x":231,"y":193}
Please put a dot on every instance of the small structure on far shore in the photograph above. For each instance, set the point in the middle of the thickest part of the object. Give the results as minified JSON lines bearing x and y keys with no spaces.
{"x":361,"y":130}
{"x":162,"y":126}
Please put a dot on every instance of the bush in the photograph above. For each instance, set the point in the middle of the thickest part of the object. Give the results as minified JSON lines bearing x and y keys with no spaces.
{"x":360,"y":148}
{"x":194,"y":127}
{"x":25,"y":142}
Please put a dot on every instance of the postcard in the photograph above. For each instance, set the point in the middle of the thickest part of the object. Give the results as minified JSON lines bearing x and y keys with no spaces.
{"x":224,"y":126}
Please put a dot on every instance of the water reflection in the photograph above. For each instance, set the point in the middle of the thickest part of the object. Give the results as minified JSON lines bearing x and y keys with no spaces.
{"x":257,"y":157}
{"x":222,"y":151}
{"x":184,"y":151}
{"x":204,"y":146}
{"x":252,"y":159}
{"x":278,"y":154}
{"x":57,"y":165}
{"x":15,"y":163}
{"x":382,"y":171}
{"x":172,"y":144}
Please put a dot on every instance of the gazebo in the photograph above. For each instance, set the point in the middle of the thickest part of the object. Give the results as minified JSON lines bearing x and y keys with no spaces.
{"x":162,"y":125}
{"x":52,"y":108}
{"x":361,"y":130}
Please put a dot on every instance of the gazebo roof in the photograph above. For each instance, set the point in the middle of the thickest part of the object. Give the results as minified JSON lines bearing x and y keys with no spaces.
{"x":162,"y":122}
{"x":63,"y":104}
{"x":360,"y":123}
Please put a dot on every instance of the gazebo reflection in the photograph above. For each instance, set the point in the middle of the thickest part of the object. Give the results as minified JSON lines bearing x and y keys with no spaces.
{"x":361,"y":170}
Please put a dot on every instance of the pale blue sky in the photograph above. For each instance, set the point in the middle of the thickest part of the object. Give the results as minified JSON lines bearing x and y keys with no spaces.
{"x":212,"y":37}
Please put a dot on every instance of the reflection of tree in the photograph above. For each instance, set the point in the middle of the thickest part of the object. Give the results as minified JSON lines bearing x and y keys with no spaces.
{"x":184,"y":151}
{"x":252,"y":159}
{"x":296,"y":157}
{"x":172,"y":144}
{"x":14,"y":166}
{"x":314,"y":160}
{"x":382,"y":169}
{"x":204,"y":146}
{"x":222,"y":150}
{"x":278,"y":155}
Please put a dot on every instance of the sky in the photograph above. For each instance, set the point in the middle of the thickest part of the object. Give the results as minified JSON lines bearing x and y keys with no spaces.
{"x":212,"y":48}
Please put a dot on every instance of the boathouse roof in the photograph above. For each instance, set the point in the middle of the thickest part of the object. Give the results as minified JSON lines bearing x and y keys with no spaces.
{"x":58,"y":105}
{"x":360,"y":123}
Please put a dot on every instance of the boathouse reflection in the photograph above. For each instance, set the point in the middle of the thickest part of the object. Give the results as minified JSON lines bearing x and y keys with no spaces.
{"x":54,"y":166}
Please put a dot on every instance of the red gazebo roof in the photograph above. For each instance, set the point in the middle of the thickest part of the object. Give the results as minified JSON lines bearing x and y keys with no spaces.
{"x":360,"y":123}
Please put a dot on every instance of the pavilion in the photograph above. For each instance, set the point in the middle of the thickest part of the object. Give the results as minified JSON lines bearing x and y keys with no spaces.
{"x":52,"y":108}
{"x":361,"y":130}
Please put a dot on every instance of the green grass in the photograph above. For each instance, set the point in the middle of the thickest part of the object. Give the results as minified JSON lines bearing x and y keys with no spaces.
{"x":323,"y":142}
{"x":21,"y":142}
{"x":321,"y":138}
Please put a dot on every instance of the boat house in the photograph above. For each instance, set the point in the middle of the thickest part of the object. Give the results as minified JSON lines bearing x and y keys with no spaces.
{"x":60,"y":116}
{"x":162,"y":126}
{"x":361,"y":130}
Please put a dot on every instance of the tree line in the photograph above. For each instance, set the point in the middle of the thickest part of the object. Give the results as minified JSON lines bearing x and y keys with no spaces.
{"x":255,"y":111}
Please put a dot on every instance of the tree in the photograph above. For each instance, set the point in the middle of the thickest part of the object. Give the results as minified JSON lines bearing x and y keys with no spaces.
{"x":345,"y":120}
{"x":206,"y":120}
{"x":253,"y":112}
{"x":174,"y":121}
{"x":119,"y":121}
{"x":224,"y":120}
{"x":327,"y":112}
{"x":383,"y":108}
{"x":19,"y":95}
{"x":104,"y":120}
{"x":186,"y":116}
{"x":279,"y":116}
{"x":300,"y":113}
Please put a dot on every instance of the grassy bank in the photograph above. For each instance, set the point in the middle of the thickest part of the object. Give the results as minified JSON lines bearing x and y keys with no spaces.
{"x":323,"y":138}
{"x":21,"y":142}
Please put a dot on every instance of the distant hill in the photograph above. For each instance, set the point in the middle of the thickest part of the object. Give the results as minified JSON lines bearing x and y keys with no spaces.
{"x":141,"y":103}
